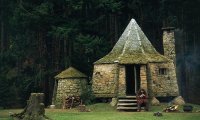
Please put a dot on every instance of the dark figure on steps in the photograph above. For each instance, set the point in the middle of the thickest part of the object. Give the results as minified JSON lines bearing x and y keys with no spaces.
{"x":142,"y":99}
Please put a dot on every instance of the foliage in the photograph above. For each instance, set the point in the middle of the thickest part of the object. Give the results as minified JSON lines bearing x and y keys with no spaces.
{"x":4,"y":88}
{"x":87,"y":49}
{"x":87,"y":96}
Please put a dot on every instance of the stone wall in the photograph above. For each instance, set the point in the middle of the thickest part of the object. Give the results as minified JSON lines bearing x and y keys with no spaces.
{"x":69,"y":87}
{"x":162,"y":85}
{"x":143,"y":77}
{"x":103,"y":80}
{"x":109,"y":82}
{"x":122,"y":81}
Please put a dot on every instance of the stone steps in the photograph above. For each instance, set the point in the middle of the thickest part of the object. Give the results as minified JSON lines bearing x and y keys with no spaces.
{"x":127,"y":103}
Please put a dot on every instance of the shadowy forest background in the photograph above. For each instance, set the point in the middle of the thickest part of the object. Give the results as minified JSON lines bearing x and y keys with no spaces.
{"x":40,"y":38}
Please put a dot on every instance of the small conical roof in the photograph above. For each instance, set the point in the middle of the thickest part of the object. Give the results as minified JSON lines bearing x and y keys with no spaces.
{"x":133,"y":47}
{"x":70,"y":73}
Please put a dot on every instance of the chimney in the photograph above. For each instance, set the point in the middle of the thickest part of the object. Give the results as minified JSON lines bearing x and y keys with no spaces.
{"x":169,"y":43}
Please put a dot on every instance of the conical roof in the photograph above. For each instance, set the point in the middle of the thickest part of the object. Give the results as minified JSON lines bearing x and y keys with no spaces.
{"x":70,"y":73}
{"x":133,"y":47}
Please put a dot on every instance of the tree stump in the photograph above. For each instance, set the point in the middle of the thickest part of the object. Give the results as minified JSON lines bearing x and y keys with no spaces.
{"x":34,"y":109}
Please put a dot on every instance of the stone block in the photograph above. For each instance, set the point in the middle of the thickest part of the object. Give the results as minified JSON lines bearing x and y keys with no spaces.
{"x":155,"y":101}
{"x":178,"y":101}
{"x":113,"y":102}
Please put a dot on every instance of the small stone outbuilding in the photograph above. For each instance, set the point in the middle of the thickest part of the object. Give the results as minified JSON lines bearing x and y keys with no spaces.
{"x":69,"y":82}
{"x":134,"y":63}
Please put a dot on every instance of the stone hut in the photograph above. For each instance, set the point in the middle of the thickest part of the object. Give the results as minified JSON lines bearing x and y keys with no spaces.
{"x":69,"y":82}
{"x":134,"y":63}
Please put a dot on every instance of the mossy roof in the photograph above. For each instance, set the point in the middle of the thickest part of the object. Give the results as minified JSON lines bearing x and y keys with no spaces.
{"x":70,"y":73}
{"x":133,"y":47}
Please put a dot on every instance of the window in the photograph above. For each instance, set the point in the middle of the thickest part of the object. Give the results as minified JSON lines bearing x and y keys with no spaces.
{"x":162,"y":71}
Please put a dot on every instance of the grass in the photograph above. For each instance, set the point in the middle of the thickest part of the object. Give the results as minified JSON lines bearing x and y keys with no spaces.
{"x":103,"y":111}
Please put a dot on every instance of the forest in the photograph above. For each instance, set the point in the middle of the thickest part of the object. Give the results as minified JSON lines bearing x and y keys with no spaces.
{"x":40,"y":38}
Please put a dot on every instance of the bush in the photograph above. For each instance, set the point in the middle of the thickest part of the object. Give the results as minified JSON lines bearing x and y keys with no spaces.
{"x":87,"y":95}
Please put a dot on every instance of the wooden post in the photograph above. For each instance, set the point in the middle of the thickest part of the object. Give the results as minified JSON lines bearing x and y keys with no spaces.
{"x":116,"y":78}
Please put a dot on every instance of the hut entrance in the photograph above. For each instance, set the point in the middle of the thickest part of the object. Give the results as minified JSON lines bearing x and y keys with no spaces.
{"x":132,"y":79}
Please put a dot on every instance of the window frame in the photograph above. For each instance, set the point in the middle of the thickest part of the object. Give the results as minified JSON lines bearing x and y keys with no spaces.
{"x":162,"y":71}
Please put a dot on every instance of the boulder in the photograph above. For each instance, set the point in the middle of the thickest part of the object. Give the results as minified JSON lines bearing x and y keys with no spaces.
{"x":155,"y":102}
{"x":178,"y":101}
{"x":113,"y":102}
{"x":52,"y":106}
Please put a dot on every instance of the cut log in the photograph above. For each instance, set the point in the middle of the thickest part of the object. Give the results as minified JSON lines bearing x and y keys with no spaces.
{"x":34,"y":109}
{"x":71,"y":101}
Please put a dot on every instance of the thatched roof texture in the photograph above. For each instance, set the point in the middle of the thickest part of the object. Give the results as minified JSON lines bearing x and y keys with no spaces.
{"x":70,"y":73}
{"x":133,"y":47}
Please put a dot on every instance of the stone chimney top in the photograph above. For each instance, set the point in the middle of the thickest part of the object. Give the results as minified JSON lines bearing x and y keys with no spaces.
{"x":169,"y":43}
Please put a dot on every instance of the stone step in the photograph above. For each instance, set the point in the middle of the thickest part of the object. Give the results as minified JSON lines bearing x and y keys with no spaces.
{"x":126,"y":108}
{"x":127,"y":100}
{"x":126,"y":97}
{"x":126,"y":104}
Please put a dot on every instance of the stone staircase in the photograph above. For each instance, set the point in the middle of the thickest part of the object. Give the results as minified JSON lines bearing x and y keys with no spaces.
{"x":127,"y":103}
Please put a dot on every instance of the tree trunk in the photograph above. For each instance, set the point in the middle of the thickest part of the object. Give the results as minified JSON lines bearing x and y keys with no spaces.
{"x":185,"y":58}
{"x":69,"y":52}
{"x":34,"y":109}
{"x":2,"y":36}
{"x":65,"y":52}
{"x":116,"y":27}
